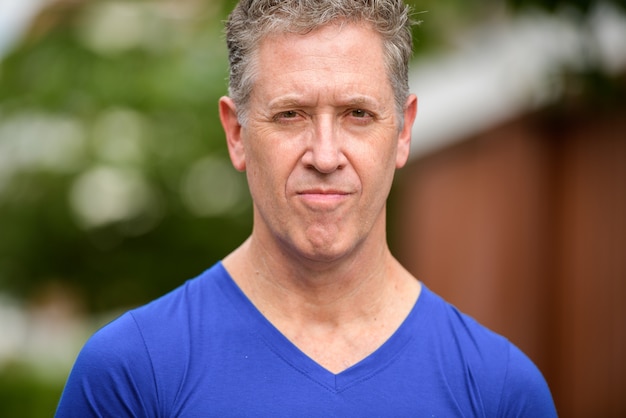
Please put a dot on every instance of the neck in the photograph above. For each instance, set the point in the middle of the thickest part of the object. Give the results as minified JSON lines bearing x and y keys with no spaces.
{"x":336,"y":312}
{"x":279,"y":284}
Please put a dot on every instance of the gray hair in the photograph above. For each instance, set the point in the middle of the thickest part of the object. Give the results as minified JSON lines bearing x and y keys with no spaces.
{"x":252,"y":20}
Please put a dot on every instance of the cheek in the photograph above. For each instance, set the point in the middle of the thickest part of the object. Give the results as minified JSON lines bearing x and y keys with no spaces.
{"x":376,"y":171}
{"x":378,"y":155}
{"x":268,"y":168}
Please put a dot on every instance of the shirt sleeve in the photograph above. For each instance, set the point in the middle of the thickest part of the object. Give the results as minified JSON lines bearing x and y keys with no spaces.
{"x":112,"y":376}
{"x":526,"y":392}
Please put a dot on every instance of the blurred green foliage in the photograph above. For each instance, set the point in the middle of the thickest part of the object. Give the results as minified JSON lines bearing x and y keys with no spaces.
{"x":138,"y":106}
{"x":581,"y":6}
{"x":24,"y":394}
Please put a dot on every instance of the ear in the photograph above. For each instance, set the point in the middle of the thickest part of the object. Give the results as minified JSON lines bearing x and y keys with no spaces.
{"x":232,"y":129}
{"x":404,"y":139}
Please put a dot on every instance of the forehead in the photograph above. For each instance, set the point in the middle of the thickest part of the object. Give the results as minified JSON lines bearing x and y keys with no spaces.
{"x":338,"y":56}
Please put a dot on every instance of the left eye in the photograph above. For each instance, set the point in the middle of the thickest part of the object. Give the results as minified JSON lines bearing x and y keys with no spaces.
{"x":288,"y":114}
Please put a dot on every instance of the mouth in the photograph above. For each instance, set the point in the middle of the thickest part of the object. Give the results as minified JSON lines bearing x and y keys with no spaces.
{"x":323,"y":191}
{"x":323,"y":198}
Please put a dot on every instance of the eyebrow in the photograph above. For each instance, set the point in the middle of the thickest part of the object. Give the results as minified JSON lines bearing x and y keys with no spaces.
{"x":361,"y":101}
{"x":286,"y":102}
{"x":291,"y":101}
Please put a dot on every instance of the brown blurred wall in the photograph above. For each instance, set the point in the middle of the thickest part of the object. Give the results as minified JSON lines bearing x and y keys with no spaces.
{"x":524,"y":228}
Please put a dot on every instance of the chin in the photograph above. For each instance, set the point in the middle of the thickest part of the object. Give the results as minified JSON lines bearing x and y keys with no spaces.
{"x":327,"y":253}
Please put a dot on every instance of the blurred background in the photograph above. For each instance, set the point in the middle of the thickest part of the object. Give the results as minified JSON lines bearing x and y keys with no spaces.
{"x":115,"y":186}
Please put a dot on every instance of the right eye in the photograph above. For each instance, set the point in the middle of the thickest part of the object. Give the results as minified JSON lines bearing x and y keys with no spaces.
{"x":287,"y":116}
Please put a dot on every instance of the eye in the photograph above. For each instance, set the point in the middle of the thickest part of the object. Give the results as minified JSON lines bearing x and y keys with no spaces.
{"x":288,"y":114}
{"x":360,"y":116}
{"x":359,"y":113}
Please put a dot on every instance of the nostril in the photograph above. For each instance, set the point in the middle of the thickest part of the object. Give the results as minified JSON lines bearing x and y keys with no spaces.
{"x":325,"y":152}
{"x":325,"y":162}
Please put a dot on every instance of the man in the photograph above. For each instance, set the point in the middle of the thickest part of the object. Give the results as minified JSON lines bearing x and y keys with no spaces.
{"x":312,"y":316}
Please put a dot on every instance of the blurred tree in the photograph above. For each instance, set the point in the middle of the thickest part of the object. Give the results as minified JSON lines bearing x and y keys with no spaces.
{"x":18,"y":390}
{"x":108,"y":123}
{"x":589,"y":80}
{"x":583,"y":6}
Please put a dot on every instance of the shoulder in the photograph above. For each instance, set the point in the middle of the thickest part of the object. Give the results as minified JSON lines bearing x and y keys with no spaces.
{"x":166,"y":325}
{"x":525,"y":392}
{"x":490,"y":366}
{"x":133,"y":361}
{"x":461,"y":334}
{"x":108,"y":372}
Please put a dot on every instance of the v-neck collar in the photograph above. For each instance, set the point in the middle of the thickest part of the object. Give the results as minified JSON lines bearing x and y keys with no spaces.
{"x":292,"y":355}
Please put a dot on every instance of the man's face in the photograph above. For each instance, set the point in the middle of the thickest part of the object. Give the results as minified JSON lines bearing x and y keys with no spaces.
{"x":322,"y":141}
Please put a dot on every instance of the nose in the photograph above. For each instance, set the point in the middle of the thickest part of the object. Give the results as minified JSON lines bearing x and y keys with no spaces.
{"x":324,"y":152}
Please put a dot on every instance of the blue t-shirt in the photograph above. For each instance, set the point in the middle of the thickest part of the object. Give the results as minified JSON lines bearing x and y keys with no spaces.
{"x":204,"y":350}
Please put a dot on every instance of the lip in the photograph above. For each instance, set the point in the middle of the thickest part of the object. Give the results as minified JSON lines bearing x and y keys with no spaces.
{"x":323,"y":198}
